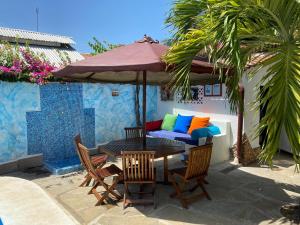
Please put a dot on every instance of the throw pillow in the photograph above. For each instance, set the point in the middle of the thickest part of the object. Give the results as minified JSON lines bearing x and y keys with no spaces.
{"x":153,"y":125}
{"x":182,"y":123}
{"x":198,"y":122}
{"x":169,"y":122}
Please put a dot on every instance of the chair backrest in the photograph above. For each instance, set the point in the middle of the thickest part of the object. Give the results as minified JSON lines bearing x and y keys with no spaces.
{"x":138,"y":165}
{"x":199,"y":160}
{"x":77,"y":140}
{"x":133,"y":132}
{"x":87,"y":160}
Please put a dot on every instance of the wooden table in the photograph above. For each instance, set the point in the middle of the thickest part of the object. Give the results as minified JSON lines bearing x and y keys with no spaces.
{"x":162,"y":147}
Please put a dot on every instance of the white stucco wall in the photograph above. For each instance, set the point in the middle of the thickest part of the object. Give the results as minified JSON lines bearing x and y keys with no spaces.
{"x":251,"y":118}
{"x":217,"y":108}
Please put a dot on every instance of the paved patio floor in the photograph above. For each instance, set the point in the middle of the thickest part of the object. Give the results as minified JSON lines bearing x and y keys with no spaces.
{"x":240,"y":195}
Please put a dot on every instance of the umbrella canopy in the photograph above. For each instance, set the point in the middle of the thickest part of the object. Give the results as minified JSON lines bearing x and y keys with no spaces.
{"x":119,"y":64}
{"x":123,"y":64}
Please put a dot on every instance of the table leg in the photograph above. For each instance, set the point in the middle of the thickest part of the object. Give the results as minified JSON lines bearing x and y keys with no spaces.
{"x":166,"y":180}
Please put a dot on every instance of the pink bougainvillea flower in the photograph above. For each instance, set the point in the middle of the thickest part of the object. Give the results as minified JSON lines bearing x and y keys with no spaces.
{"x":28,"y":63}
{"x":17,"y":66}
{"x":5,"y":69}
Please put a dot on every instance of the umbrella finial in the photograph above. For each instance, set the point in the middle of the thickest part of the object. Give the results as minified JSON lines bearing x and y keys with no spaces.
{"x":148,"y":39}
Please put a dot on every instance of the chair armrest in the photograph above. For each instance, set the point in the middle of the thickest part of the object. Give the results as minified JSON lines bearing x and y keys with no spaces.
{"x":94,"y":151}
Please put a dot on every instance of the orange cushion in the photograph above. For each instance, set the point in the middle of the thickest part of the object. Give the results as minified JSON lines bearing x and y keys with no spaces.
{"x":198,"y":122}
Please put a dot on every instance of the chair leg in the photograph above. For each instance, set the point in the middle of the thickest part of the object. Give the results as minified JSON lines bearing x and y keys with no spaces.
{"x":204,"y":191}
{"x":178,"y":192}
{"x":154,"y":196}
{"x":88,"y":178}
{"x":199,"y":181}
{"x":175,"y":193}
{"x":176,"y":187}
{"x":194,"y":188}
{"x":153,"y":188}
{"x":111,"y":190}
{"x":126,"y":192}
{"x":89,"y":181}
{"x":126,"y":188}
{"x":97,"y":195}
{"x":86,"y":181}
{"x":94,"y":187}
{"x":124,"y":201}
{"x":101,"y":199}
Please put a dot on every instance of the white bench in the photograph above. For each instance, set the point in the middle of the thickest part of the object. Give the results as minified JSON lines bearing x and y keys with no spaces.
{"x":221,"y":142}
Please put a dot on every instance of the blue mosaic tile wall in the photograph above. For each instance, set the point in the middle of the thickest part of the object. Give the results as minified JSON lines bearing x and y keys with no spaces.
{"x":44,"y":119}
{"x":51,"y":131}
{"x":113,"y":113}
{"x":15,"y":100}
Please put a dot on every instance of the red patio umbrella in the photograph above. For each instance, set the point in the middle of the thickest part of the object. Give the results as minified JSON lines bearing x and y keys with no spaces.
{"x":123,"y":64}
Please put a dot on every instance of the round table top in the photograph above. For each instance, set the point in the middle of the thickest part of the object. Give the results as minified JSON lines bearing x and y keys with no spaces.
{"x":163,"y":147}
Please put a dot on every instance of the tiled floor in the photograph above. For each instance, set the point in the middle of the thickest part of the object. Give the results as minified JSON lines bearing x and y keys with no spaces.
{"x":240,"y":195}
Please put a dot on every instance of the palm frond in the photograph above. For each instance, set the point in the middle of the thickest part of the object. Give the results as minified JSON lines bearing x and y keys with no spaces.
{"x":281,"y":85}
{"x":185,"y":15}
{"x":233,"y":31}
{"x":181,"y":54}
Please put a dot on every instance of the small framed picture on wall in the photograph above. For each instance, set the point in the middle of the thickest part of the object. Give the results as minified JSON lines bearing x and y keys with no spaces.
{"x":217,"y":89}
{"x":211,"y":90}
{"x":208,"y":90}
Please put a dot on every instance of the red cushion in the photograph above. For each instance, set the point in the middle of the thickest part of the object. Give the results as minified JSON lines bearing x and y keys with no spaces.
{"x":153,"y":125}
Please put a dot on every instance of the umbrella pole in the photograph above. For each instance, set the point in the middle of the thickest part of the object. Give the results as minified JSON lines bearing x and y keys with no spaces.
{"x":144,"y":106}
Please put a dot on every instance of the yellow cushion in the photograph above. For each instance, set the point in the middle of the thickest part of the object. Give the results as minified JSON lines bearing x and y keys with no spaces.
{"x":198,"y":122}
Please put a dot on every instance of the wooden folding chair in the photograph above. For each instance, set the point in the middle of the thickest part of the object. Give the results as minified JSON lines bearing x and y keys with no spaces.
{"x":138,"y":168}
{"x":98,"y":161}
{"x":196,"y":170}
{"x":133,"y":132}
{"x":99,"y":175}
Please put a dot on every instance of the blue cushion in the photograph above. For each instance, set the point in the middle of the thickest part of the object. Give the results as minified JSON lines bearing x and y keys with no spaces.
{"x":209,"y":131}
{"x":188,"y":141}
{"x":182,"y":123}
{"x":168,"y":134}
{"x":213,"y":130}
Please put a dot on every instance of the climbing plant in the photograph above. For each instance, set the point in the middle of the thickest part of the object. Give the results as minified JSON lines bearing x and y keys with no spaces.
{"x":100,"y":47}
{"x":22,"y":64}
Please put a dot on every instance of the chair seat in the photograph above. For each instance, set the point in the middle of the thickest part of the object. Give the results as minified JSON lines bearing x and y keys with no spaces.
{"x":99,"y":159}
{"x":109,"y":171}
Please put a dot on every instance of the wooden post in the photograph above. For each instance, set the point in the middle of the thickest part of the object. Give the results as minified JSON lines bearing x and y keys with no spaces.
{"x":144,"y":106}
{"x":240,"y":122}
{"x":137,"y":101}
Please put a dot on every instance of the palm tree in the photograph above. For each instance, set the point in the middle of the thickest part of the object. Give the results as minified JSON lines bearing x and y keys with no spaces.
{"x":231,"y":33}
